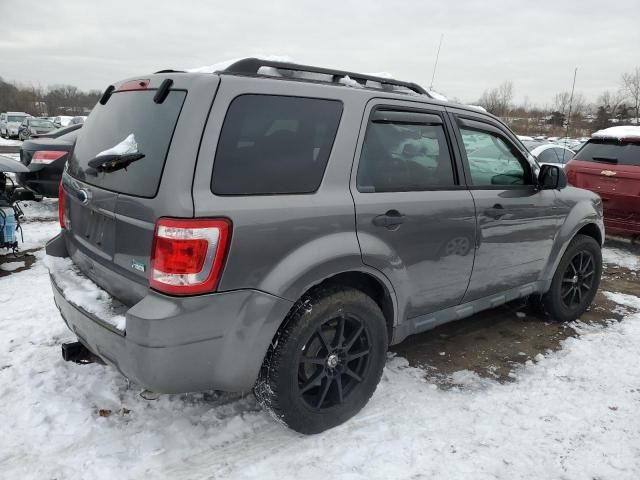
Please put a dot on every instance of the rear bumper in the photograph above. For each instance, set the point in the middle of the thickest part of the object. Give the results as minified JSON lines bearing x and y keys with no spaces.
{"x":174,"y":345}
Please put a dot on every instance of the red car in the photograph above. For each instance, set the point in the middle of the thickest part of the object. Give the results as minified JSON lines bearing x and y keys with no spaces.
{"x":609,"y":165}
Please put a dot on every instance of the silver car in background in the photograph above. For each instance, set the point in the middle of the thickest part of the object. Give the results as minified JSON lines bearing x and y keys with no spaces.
{"x":10,"y":123}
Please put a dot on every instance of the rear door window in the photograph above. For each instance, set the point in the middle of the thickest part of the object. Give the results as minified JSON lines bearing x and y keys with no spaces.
{"x":273,"y":144}
{"x":130,"y":116}
{"x":610,"y":151}
{"x":403,"y":155}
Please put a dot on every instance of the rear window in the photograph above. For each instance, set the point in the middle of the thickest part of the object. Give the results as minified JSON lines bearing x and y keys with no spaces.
{"x":610,"y":151}
{"x":273,"y":144}
{"x":125,"y":114}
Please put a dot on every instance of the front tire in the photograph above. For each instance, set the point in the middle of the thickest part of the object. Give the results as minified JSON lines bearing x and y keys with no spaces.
{"x":326,"y":361}
{"x":575,"y":281}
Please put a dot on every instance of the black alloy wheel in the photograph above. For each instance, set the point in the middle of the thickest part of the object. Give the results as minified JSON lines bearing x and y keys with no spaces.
{"x":332,"y":362}
{"x":578,"y":279}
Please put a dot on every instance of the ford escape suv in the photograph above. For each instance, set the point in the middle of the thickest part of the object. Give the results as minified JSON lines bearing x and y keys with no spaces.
{"x":277,"y":226}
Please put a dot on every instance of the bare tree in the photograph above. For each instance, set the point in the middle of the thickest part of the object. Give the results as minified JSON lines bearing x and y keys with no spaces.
{"x":505,"y":94}
{"x":561,"y":102}
{"x":631,"y":86}
{"x":498,"y":100}
{"x":490,"y":101}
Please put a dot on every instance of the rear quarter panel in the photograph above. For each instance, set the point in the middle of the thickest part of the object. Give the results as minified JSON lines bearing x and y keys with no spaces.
{"x":284,"y":244}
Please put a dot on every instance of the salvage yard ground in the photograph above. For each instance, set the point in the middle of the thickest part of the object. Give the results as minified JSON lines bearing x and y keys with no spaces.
{"x":505,"y":394}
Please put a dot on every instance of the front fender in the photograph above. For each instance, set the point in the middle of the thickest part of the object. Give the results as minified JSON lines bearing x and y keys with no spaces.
{"x":581,"y":214}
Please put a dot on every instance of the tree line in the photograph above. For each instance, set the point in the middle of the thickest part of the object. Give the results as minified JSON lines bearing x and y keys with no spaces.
{"x":567,"y":115}
{"x":49,"y":101}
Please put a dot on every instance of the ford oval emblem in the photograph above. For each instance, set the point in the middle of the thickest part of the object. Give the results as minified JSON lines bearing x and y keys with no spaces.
{"x":83,"y":196}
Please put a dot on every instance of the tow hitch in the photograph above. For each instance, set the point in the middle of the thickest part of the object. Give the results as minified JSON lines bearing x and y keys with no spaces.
{"x":78,"y":353}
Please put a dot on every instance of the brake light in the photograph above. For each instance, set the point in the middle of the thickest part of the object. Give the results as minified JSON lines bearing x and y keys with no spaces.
{"x":134,"y":85}
{"x":47,"y":156}
{"x":61,"y":205}
{"x":630,"y":140}
{"x":188,"y":255}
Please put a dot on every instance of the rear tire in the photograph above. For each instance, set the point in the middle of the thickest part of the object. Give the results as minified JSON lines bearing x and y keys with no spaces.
{"x":326,"y":361}
{"x":575,"y":281}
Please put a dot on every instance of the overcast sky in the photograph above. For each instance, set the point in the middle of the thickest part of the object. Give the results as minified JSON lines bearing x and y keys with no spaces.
{"x":536,"y":44}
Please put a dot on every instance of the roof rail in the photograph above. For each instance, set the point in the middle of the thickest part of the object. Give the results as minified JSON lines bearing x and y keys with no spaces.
{"x":251,"y":66}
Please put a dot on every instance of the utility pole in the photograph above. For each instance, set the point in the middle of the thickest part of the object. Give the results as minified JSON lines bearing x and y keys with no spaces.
{"x":435,"y":65}
{"x":566,"y":133}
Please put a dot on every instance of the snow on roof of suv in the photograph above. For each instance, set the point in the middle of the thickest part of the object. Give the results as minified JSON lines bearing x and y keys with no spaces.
{"x":618,"y":133}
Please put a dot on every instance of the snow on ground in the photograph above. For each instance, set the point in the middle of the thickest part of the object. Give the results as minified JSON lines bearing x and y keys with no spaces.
{"x":622,"y":258}
{"x":569,"y":415}
{"x":10,"y":142}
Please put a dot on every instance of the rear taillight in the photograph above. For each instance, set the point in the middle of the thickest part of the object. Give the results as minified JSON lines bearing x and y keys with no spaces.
{"x":47,"y":156}
{"x":188,"y":255}
{"x":61,"y":205}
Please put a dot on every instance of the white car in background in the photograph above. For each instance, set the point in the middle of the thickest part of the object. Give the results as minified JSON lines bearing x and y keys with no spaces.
{"x":550,"y":153}
{"x":10,"y":123}
{"x":62,"y":120}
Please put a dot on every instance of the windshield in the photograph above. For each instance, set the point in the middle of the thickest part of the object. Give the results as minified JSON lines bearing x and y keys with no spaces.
{"x":42,"y":123}
{"x":130,"y":121}
{"x":16,"y":118}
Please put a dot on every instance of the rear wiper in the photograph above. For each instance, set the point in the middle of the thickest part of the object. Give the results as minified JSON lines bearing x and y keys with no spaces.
{"x":111,"y":163}
{"x":606,"y":159}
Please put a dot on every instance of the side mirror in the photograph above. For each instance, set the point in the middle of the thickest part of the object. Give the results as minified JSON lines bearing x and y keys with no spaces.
{"x":551,"y":177}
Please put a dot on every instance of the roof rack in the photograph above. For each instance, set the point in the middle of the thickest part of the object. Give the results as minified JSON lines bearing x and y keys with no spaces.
{"x":251,"y":66}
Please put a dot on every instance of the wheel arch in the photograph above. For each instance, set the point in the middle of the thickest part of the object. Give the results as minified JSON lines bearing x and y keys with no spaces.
{"x":582,"y":220}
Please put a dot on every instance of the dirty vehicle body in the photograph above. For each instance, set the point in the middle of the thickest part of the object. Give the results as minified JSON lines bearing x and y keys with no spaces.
{"x":280,"y":233}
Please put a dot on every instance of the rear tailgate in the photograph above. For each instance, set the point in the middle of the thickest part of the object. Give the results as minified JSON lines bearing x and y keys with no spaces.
{"x":618,"y":185}
{"x":611,"y":168}
{"x":110,"y":216}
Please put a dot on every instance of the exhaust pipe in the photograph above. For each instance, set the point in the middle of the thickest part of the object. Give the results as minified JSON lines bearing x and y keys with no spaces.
{"x":76,"y":352}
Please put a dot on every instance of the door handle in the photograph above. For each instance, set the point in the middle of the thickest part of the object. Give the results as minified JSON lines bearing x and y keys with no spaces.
{"x":496,"y":212}
{"x":391,"y":219}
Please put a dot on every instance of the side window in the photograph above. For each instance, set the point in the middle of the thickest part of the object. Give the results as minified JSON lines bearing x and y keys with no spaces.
{"x":549,"y":156}
{"x":565,"y":155}
{"x":491,"y":160}
{"x":273,"y":144}
{"x":403,"y":157}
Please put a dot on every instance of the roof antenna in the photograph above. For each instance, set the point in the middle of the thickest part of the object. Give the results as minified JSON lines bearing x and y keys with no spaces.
{"x":435,"y":65}
{"x":566,"y":133}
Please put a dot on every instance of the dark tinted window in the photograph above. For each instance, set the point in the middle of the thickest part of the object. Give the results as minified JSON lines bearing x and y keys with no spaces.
{"x":274,"y":145}
{"x":610,"y":152}
{"x":402,"y":157}
{"x":125,"y":114}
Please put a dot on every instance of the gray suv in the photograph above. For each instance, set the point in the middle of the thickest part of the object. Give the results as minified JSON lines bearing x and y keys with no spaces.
{"x":277,"y":226}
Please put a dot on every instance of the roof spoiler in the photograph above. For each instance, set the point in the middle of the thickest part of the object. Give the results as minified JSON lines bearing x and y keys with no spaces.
{"x":251,"y":66}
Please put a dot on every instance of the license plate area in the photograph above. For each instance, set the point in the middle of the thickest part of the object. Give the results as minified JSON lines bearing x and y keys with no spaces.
{"x":92,"y":222}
